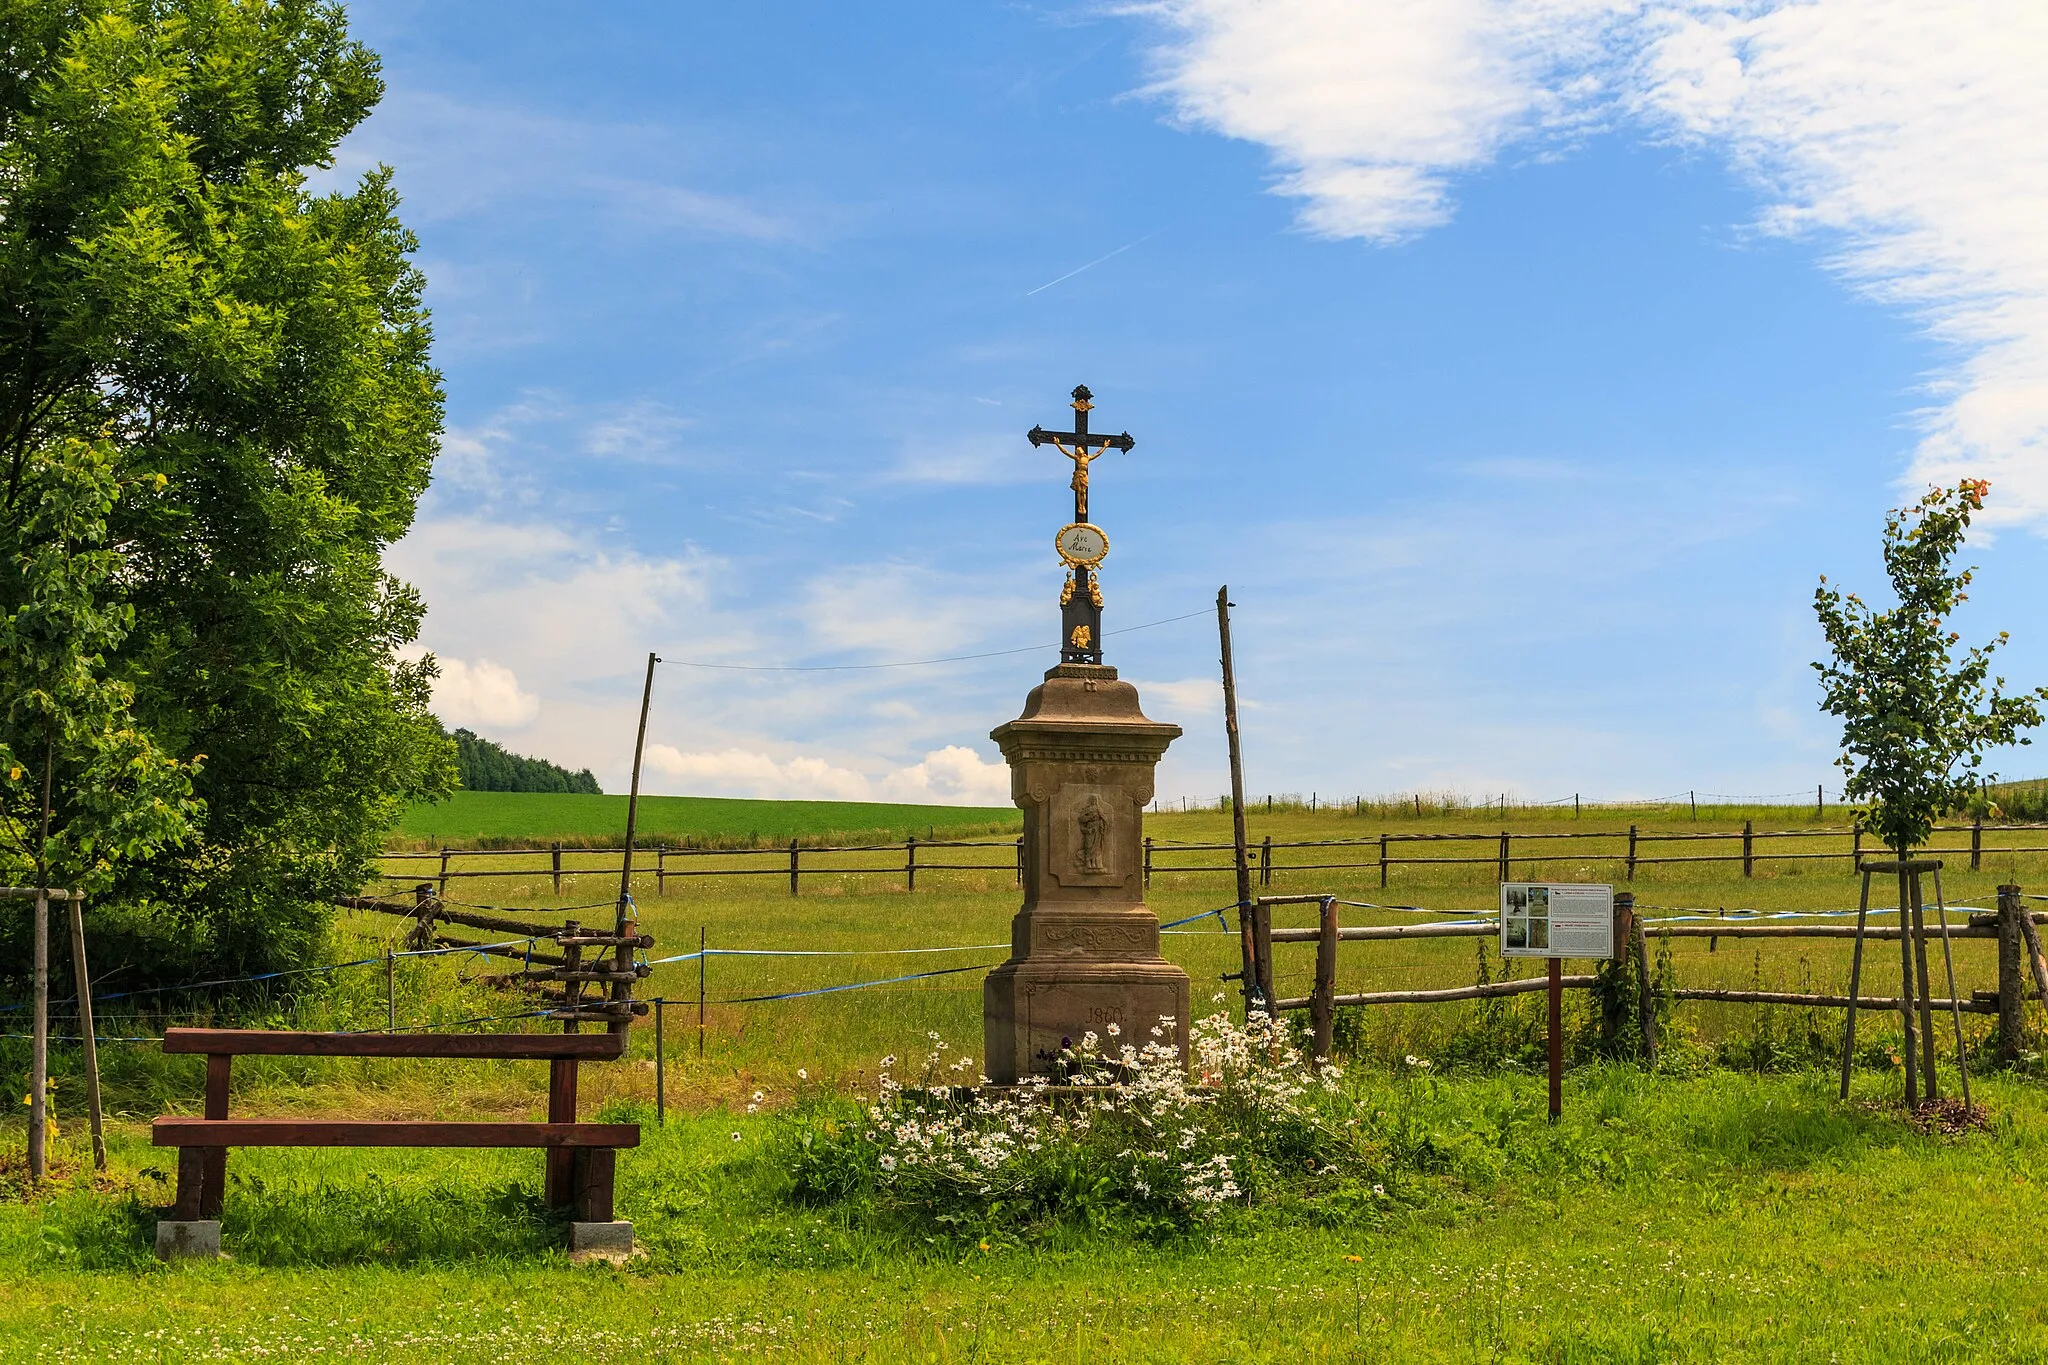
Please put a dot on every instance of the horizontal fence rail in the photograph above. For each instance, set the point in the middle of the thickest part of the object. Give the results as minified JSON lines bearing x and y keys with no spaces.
{"x":1508,"y":854}
{"x":2021,"y":961}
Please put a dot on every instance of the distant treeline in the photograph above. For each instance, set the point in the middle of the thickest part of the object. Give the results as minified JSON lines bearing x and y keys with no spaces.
{"x":488,"y":767}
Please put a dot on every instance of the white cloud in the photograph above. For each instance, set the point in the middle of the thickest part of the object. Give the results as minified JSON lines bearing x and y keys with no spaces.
{"x":1914,"y":136}
{"x":482,"y":693}
{"x":1185,"y":698}
{"x":1907,"y":135}
{"x":952,"y":776}
{"x":1369,"y":106}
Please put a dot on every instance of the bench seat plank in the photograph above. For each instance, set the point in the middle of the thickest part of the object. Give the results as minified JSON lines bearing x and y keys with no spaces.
{"x":241,"y":1042}
{"x":182,"y":1131}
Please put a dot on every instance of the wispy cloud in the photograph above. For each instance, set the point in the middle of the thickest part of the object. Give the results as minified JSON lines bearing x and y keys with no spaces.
{"x":459,"y":160}
{"x":1906,"y":137}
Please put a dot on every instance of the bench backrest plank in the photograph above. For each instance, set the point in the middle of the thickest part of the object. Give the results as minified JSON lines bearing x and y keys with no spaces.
{"x":242,"y":1042}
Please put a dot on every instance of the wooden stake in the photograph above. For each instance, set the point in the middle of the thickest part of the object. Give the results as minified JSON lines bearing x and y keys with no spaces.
{"x":39,"y":1044}
{"x":1929,"y":1086}
{"x":1906,"y":990}
{"x":1240,"y":852}
{"x":1855,"y":981}
{"x":1955,"y":1006}
{"x":81,"y":980}
{"x":633,"y":809}
{"x":1556,"y":1020}
{"x":700,"y":991}
{"x":390,"y":992}
{"x":660,"y":1064}
{"x":39,"y":1030}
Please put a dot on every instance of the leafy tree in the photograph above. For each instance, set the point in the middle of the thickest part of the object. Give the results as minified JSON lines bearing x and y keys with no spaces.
{"x":253,"y":357}
{"x":1915,"y":721}
{"x":83,"y":791}
{"x":489,"y":767}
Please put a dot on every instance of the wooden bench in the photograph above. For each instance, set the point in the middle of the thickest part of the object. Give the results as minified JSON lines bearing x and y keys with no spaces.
{"x":581,"y":1157}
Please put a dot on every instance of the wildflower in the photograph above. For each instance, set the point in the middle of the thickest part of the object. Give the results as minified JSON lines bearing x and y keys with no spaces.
{"x":735,"y":1137}
{"x":758,"y":1097}
{"x":1113,"y":1029}
{"x":1380,"y":1191}
{"x":888,"y":1162}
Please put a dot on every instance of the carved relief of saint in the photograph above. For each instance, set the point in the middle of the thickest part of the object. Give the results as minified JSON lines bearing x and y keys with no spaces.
{"x":1094,"y":839}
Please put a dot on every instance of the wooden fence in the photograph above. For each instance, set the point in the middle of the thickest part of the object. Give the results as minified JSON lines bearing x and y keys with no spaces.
{"x":1505,"y":852}
{"x":2021,"y":962}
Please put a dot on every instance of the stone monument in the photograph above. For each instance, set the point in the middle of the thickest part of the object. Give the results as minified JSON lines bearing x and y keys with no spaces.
{"x":1084,"y":950}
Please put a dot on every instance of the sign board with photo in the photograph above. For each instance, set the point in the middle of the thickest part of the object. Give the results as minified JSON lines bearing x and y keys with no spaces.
{"x":1552,"y":919}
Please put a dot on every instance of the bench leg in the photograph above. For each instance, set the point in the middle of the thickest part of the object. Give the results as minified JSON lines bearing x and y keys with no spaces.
{"x":560,"y":1189}
{"x":191,"y":1178}
{"x":594,"y":1170}
{"x":214,"y":1186}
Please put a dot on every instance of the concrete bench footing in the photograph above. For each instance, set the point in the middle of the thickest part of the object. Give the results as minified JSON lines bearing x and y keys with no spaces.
{"x":188,"y":1239}
{"x":600,"y":1241}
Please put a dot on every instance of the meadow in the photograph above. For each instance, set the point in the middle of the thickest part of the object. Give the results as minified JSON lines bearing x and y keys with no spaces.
{"x":1725,"y":1206}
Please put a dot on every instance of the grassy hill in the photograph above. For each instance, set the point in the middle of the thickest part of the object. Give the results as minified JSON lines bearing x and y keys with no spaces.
{"x":516,"y":819}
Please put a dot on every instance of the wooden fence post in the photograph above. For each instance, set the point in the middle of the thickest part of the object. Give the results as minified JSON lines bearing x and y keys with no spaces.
{"x":1504,"y":874}
{"x":557,"y":851}
{"x":1748,"y":847}
{"x":443,"y":892}
{"x":1856,"y":848}
{"x":1323,"y":1005}
{"x":1266,"y":860}
{"x":1383,"y":862}
{"x":1262,"y":949}
{"x":792,"y":867}
{"x":910,"y":862}
{"x":424,"y":903}
{"x":1976,"y":842}
{"x":2035,"y":958}
{"x":1631,"y":853}
{"x":661,"y":869}
{"x":2012,"y":995}
{"x":1646,"y":990}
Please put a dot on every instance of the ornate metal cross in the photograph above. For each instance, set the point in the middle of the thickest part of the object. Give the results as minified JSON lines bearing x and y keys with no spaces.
{"x":1079,"y":446}
{"x":1081,"y":544}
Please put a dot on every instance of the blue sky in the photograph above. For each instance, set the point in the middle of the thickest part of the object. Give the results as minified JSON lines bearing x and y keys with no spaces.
{"x":1519,"y":366}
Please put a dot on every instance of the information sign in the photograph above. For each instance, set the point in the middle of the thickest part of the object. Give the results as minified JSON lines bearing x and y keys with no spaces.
{"x":1551,"y":919}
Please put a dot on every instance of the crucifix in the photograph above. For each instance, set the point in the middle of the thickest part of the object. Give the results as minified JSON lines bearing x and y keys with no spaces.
{"x":1081,"y":544}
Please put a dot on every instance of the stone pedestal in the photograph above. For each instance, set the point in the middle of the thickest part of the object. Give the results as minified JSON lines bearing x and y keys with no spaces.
{"x":1084,"y":950}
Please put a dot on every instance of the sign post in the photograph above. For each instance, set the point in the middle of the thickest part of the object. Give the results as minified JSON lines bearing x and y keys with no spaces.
{"x":1555,"y":920}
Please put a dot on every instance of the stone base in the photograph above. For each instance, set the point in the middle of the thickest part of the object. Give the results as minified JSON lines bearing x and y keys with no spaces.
{"x":178,"y":1240}
{"x":1032,"y":1010}
{"x":600,"y":1241}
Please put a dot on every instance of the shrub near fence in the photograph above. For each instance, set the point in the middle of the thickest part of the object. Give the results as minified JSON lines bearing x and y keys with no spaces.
{"x":1508,"y":855}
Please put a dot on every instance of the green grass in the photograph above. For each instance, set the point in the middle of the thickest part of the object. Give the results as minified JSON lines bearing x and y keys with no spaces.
{"x":1690,"y":1217}
{"x":514,"y":819}
{"x":1700,"y":1213}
